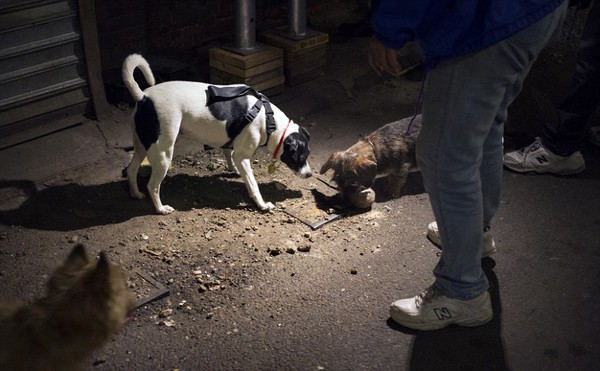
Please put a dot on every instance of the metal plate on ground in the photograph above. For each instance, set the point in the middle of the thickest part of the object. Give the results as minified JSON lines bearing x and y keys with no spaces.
{"x":148,"y":286}
{"x":308,"y":213}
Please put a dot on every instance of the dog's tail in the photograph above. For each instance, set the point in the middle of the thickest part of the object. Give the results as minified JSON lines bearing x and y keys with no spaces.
{"x":129,"y":65}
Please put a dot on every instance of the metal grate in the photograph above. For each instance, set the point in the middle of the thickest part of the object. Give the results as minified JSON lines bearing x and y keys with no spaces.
{"x":41,"y":64}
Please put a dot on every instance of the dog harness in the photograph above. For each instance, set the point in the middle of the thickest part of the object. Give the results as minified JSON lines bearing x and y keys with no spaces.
{"x":219,"y":94}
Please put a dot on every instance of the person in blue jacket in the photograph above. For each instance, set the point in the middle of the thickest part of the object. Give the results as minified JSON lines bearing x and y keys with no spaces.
{"x":476,"y":54}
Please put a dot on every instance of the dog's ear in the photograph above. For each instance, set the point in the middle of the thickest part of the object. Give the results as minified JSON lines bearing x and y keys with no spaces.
{"x":304,"y":132}
{"x":331,"y":163}
{"x":77,"y":258}
{"x":64,"y":276}
{"x":102,"y":266}
{"x":100,"y":277}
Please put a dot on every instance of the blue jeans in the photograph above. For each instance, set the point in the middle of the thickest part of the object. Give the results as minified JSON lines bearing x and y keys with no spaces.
{"x":565,"y":135}
{"x":459,"y":149}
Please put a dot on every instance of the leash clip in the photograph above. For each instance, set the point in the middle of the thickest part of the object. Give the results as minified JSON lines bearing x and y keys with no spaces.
{"x":272,"y":167}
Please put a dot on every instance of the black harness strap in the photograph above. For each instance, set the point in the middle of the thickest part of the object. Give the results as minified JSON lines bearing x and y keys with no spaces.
{"x":270,"y":118}
{"x":220,"y":94}
{"x":216,"y":94}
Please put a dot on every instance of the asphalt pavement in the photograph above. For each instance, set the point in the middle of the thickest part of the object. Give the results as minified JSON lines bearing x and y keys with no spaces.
{"x":545,"y":277}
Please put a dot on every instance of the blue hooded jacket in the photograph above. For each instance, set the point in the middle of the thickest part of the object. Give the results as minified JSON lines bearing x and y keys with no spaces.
{"x":449,"y":28}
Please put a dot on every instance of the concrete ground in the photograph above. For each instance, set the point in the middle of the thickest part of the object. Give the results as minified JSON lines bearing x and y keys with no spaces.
{"x":545,"y":277}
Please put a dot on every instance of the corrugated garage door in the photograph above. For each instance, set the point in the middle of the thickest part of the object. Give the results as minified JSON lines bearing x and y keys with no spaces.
{"x":43,"y":71}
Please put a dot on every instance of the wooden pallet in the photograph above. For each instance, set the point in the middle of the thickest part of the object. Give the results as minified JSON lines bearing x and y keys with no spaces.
{"x":262,"y":70}
{"x":304,"y":59}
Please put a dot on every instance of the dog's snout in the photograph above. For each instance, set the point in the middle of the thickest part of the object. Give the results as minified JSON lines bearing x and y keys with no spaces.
{"x":305,"y":172}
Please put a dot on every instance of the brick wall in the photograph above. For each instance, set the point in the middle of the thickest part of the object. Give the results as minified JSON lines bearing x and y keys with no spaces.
{"x":121,"y":30}
{"x":168,"y":26}
{"x":186,"y":24}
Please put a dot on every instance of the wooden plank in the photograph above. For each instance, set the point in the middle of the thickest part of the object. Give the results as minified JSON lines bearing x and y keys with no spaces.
{"x":320,"y":50}
{"x":233,"y":79}
{"x":306,"y":64}
{"x":261,"y":86}
{"x":289,"y":45}
{"x":247,"y":72}
{"x":277,"y":81}
{"x":310,"y":65}
{"x":245,"y":61}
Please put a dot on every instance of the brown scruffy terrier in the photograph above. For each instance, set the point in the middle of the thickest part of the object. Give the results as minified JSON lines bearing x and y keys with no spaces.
{"x":85,"y":304}
{"x":388,"y":152}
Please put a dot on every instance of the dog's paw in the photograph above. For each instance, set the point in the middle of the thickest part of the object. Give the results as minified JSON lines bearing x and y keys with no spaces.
{"x":267,"y":206}
{"x":166,"y":209}
{"x":364,"y":199}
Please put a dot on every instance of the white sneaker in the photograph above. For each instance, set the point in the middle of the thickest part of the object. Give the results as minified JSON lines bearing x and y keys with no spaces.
{"x":536,"y":158}
{"x":431,"y":310}
{"x":488,"y":246}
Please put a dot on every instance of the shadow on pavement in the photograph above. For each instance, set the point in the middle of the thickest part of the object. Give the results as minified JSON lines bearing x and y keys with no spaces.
{"x":413,"y":186}
{"x":74,"y":206}
{"x":461,"y":348}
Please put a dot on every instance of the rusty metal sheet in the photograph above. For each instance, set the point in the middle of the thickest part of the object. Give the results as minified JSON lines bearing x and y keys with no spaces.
{"x":308,"y":213}
{"x":158,"y":291}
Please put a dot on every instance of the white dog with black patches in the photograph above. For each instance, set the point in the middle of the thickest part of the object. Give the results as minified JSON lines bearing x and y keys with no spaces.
{"x":239,"y":125}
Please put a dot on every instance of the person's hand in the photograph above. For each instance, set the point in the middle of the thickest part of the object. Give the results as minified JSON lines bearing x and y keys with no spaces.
{"x":383,"y":59}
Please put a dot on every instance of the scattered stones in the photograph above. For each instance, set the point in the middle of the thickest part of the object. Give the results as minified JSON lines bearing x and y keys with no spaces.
{"x":304,"y":248}
{"x":165,"y":313}
{"x":209,"y":281}
{"x":220,"y":242}
{"x":141,"y":237}
{"x":275,"y":251}
{"x":151,"y":252}
{"x":168,"y":322}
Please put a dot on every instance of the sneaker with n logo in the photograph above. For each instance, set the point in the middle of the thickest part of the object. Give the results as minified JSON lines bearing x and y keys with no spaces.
{"x":536,"y":158}
{"x":430,"y":310}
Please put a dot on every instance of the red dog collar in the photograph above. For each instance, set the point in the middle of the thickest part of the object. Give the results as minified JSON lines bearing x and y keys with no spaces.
{"x":281,"y":141}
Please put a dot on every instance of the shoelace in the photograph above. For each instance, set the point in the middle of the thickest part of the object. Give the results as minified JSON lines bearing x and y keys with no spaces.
{"x":427,"y":296}
{"x":532,"y":147}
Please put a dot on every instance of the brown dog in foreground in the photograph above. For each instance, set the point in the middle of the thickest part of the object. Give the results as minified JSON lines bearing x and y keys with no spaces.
{"x":387,"y":152}
{"x":85,"y":304}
